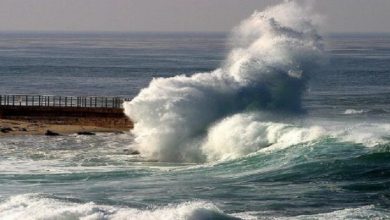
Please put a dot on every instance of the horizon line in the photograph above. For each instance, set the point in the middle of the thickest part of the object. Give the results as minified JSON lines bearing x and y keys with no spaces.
{"x":160,"y":32}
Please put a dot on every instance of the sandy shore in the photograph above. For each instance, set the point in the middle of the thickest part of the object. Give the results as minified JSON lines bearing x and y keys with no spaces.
{"x":13,"y":127}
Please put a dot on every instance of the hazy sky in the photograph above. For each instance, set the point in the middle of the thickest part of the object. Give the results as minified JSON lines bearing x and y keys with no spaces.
{"x":176,"y":15}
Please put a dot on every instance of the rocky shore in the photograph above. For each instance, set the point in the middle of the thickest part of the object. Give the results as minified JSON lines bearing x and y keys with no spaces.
{"x":16,"y":127}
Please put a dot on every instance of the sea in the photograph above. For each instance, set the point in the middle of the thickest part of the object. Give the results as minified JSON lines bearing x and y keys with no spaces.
{"x":330,"y":161}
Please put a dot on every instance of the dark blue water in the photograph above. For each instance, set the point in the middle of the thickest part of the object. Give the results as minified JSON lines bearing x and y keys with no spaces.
{"x":101,"y":64}
{"x":355,"y":77}
{"x":341,"y":170}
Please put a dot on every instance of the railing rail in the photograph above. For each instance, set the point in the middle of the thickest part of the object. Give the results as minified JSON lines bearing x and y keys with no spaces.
{"x":62,"y":101}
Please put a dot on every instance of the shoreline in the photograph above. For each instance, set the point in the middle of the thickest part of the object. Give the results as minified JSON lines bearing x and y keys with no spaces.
{"x":9,"y":127}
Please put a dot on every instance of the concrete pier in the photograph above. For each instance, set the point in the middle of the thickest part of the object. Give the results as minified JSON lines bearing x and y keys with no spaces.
{"x":106,"y":112}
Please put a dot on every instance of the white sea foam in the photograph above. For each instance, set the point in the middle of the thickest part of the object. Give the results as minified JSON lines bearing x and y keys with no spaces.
{"x":249,"y":133}
{"x":273,"y":52}
{"x":363,"y":212}
{"x":353,"y":111}
{"x":35,"y":206}
{"x":367,"y":133}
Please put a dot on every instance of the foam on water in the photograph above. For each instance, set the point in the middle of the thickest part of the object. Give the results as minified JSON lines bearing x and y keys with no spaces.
{"x":36,"y":206}
{"x":364,"y":212}
{"x":249,"y":133}
{"x":353,"y":111}
{"x":66,"y":154}
{"x":273,"y":54}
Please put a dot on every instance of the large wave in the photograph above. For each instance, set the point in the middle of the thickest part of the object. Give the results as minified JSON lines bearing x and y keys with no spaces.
{"x":183,"y":118}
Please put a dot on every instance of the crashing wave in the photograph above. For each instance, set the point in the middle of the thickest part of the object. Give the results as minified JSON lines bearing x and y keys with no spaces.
{"x":273,"y":54}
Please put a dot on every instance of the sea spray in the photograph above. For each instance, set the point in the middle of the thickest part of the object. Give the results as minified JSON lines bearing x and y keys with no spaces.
{"x":249,"y":132}
{"x":273,"y":54}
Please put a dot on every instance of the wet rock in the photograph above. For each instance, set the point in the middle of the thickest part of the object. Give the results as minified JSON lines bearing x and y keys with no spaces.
{"x":85,"y":133}
{"x":5,"y":129}
{"x":131,"y":152}
{"x":135,"y":152}
{"x":51,"y":133}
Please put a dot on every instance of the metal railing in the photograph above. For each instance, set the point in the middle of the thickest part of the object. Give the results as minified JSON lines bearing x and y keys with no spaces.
{"x":62,"y":101}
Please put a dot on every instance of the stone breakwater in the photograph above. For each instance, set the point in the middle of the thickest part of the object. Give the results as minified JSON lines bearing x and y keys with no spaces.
{"x":83,"y":116}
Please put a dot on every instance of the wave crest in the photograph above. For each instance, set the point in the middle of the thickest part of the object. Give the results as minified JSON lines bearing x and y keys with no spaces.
{"x":36,"y":206}
{"x":249,"y":133}
{"x":266,"y":70}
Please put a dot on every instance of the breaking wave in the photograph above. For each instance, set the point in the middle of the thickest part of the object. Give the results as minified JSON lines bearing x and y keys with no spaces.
{"x":39,"y":206}
{"x":183,"y":118}
{"x":353,"y":111}
{"x":36,"y":206}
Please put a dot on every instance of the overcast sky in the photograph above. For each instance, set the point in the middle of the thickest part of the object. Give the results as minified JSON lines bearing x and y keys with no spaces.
{"x":176,"y":15}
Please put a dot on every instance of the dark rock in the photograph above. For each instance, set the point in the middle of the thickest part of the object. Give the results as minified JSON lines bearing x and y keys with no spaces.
{"x":51,"y":133}
{"x":135,"y":152}
{"x":131,"y":152}
{"x":85,"y":133}
{"x":5,"y":130}
{"x":23,"y":129}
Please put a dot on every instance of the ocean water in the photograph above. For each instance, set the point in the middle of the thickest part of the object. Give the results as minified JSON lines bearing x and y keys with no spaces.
{"x":327,"y":159}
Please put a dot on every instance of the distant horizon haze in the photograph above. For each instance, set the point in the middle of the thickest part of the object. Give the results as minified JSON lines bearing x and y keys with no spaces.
{"x":350,"y":16}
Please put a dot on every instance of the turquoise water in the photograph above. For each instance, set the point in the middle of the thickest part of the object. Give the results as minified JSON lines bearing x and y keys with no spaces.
{"x":91,"y":176}
{"x":331,"y":161}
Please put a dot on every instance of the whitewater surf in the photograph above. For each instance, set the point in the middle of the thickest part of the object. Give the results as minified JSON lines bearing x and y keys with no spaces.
{"x":273,"y":54}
